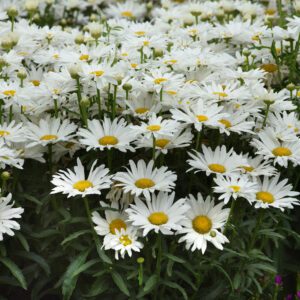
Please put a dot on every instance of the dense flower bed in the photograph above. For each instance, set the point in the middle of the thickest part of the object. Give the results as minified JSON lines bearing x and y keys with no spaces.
{"x":149,"y":150}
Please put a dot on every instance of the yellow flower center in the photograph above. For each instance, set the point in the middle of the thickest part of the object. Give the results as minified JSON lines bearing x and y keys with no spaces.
{"x":82,"y":185}
{"x":97,"y":73}
{"x":153,"y":127}
{"x":235,"y":188}
{"x":158,"y":218}
{"x":265,"y":197}
{"x":9,"y":93}
{"x":247,"y":168}
{"x":125,"y":240}
{"x":35,"y":82}
{"x":171,"y":61}
{"x":171,"y":93}
{"x":108,"y":140}
{"x":56,"y":56}
{"x":141,"y":110}
{"x":202,"y":118}
{"x":146,"y":43}
{"x":116,"y":224}
{"x":220,"y":94}
{"x":270,"y":11}
{"x":48,"y":137}
{"x":162,"y":143}
{"x":140,"y":33}
{"x":133,"y":65}
{"x":269,"y":68}
{"x":282,"y":151}
{"x":202,"y":224}
{"x":4,"y":133}
{"x":144,"y":183}
{"x":127,"y":14}
{"x":84,"y":57}
{"x":160,"y":80}
{"x":217,"y":168}
{"x":226,"y":123}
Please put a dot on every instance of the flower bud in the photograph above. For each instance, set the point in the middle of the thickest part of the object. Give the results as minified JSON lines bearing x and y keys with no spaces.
{"x":212,"y":233}
{"x":85,"y":102}
{"x":140,"y":260}
{"x":5,"y":175}
{"x":79,"y":39}
{"x":290,"y":87}
{"x":31,"y":5}
{"x":12,"y":11}
{"x":22,"y":74}
{"x":127,"y":87}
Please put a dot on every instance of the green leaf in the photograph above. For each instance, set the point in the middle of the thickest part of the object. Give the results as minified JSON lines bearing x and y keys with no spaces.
{"x":36,"y":258}
{"x":98,"y":287}
{"x":74,"y":235}
{"x":150,"y":283}
{"x":15,"y":270}
{"x":23,"y":241}
{"x":70,"y":280}
{"x":101,"y":252}
{"x":86,"y":266}
{"x":176,"y":286}
{"x":120,"y":283}
{"x":175,"y":258}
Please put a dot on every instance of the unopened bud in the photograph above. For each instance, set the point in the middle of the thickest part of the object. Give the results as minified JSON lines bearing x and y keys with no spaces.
{"x":5,"y":175}
{"x":85,"y":102}
{"x":127,"y":87}
{"x":12,"y":11}
{"x":140,"y":260}
{"x":79,"y":39}
{"x":212,"y":233}
{"x":22,"y":74}
{"x":290,"y":87}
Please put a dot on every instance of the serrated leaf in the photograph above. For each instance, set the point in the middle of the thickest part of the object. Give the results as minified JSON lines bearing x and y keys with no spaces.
{"x":15,"y":270}
{"x":120,"y":283}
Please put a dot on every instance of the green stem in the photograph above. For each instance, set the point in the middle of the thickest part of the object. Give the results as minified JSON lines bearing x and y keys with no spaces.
{"x":114,"y":102}
{"x":256,"y":228}
{"x":230,"y":216}
{"x":266,"y":115}
{"x":55,"y":108}
{"x":158,"y":262}
{"x":153,"y":147}
{"x":99,"y":104}
{"x":109,"y":158}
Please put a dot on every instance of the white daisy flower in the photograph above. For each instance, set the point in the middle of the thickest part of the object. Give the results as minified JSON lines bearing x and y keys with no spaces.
{"x":142,"y":179}
{"x":217,"y":161}
{"x":49,"y":131}
{"x":12,"y":132}
{"x":114,"y":219}
{"x":204,"y":223}
{"x":275,"y":193}
{"x":156,"y":126}
{"x":235,"y":186}
{"x":75,"y":182}
{"x":161,"y":214}
{"x":10,"y":157}
{"x":107,"y":135}
{"x":272,"y":148}
{"x":7,"y":216}
{"x":124,"y":241}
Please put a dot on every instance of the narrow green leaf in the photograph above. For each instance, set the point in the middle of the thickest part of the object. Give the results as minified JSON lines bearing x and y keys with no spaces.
{"x":120,"y":283}
{"x":15,"y":270}
{"x":176,"y":286}
{"x":175,"y":258}
{"x":150,"y":283}
{"x":23,"y":241}
{"x":74,"y":235}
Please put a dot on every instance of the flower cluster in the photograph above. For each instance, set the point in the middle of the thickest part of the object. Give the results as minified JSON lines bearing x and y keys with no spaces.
{"x":173,"y":112}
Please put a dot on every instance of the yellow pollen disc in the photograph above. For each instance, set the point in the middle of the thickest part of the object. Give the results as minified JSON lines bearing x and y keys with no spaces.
{"x":269,"y":68}
{"x":298,"y":94}
{"x":133,"y":65}
{"x":144,"y":183}
{"x":4,"y":133}
{"x":158,"y":218}
{"x":124,"y":54}
{"x":108,"y":140}
{"x":140,"y":33}
{"x":171,"y":61}
{"x":162,"y":143}
{"x":153,"y":127}
{"x":84,"y":57}
{"x":125,"y":240}
{"x":265,"y":197}
{"x":202,"y":224}
{"x":247,"y":168}
{"x":116,"y":224}
{"x":255,"y":38}
{"x":48,"y":137}
{"x":235,"y":188}
{"x":160,"y":80}
{"x":141,"y":110}
{"x":217,"y":168}
{"x":56,"y":56}
{"x":9,"y":93}
{"x":171,"y":93}
{"x":35,"y":82}
{"x":146,"y":43}
{"x":226,"y":123}
{"x":202,"y":118}
{"x":127,"y":14}
{"x":282,"y":151}
{"x":270,"y":11}
{"x":82,"y":185}
{"x":220,"y":94}
{"x":97,"y":73}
